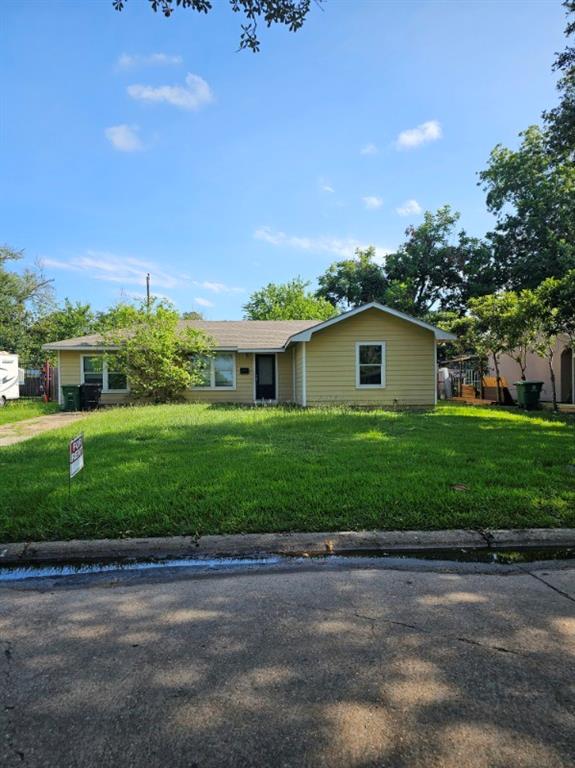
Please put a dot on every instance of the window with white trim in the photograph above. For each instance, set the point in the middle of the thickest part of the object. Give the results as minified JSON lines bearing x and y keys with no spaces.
{"x":218,"y":372}
{"x":100,"y":370}
{"x":370,"y":364}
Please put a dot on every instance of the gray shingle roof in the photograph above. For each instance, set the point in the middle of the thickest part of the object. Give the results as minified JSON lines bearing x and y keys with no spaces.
{"x":234,"y":334}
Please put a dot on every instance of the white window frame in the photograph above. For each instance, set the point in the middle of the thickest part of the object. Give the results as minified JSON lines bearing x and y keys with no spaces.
{"x":104,"y":375}
{"x":212,"y":385}
{"x":358,"y":345}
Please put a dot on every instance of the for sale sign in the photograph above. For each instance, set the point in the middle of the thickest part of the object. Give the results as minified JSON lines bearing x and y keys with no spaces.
{"x":76,"y":455}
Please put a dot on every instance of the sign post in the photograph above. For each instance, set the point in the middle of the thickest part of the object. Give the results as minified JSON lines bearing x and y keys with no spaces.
{"x":76,"y":457}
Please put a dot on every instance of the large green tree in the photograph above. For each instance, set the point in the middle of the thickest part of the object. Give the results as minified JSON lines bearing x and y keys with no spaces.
{"x":531,"y":191}
{"x":352,"y":282}
{"x":287,"y":301}
{"x":70,"y":320}
{"x":289,"y":13}
{"x":438,"y":269}
{"x":24,"y":296}
{"x":435,"y":269}
{"x":560,"y":121}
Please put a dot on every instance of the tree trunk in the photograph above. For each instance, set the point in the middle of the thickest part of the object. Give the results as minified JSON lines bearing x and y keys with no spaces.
{"x":498,"y":380}
{"x":552,"y":376}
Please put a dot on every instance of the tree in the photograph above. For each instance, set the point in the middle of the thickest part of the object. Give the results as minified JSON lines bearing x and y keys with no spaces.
{"x":353,"y":282}
{"x":65,"y":322}
{"x":287,"y":301}
{"x":120,"y":315}
{"x":161,"y":357}
{"x":192,"y":315}
{"x":555,"y":316}
{"x":520,"y":330}
{"x":435,"y":270}
{"x":290,"y":13}
{"x":560,"y":121}
{"x":24,"y":296}
{"x":558,"y":297}
{"x":488,"y":328}
{"x":532,"y":193}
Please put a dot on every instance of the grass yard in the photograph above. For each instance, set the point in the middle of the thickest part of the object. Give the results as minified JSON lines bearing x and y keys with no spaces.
{"x":18,"y":410}
{"x":186,"y":469}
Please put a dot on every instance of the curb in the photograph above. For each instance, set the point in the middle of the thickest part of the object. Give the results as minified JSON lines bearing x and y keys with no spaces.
{"x":303,"y":544}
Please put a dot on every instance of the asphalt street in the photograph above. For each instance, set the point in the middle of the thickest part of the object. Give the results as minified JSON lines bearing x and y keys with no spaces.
{"x":309,"y":664}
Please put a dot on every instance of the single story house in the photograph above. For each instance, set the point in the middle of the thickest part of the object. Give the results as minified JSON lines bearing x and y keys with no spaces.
{"x":371,"y":355}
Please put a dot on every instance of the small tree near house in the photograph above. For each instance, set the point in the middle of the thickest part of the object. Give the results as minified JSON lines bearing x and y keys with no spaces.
{"x":555,"y":315}
{"x":161,"y":356}
{"x":489,"y":325}
{"x":520,"y":326}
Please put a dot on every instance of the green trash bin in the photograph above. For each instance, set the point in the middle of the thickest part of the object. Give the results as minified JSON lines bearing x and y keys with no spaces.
{"x":71,"y":397}
{"x":528,"y":393}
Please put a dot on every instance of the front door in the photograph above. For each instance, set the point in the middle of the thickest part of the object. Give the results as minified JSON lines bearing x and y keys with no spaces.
{"x":265,"y":377}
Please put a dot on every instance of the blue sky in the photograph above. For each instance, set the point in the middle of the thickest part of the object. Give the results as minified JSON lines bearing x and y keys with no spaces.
{"x":130,"y":142}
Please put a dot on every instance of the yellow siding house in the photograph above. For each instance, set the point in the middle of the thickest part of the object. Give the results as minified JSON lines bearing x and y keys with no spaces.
{"x":370,"y":356}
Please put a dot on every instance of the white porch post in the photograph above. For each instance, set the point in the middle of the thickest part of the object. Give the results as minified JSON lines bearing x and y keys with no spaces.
{"x":303,"y":376}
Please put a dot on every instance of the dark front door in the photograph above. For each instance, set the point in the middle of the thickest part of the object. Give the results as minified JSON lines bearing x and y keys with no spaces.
{"x":265,"y":377}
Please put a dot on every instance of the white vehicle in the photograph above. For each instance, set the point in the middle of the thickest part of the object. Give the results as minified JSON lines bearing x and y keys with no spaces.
{"x":9,"y":378}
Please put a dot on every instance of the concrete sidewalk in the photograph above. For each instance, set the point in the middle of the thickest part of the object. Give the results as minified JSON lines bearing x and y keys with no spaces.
{"x":305,"y":666}
{"x":10,"y":434}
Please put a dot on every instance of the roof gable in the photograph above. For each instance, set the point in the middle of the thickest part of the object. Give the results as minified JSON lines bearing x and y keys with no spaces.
{"x":306,"y":335}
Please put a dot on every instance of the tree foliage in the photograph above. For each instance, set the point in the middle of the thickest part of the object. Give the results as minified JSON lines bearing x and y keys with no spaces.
{"x":434,"y":270}
{"x":352,"y":282}
{"x":532,"y":193}
{"x":289,"y":13}
{"x":490,"y":326}
{"x":437,"y":269}
{"x":160,"y":356}
{"x":24,"y":296}
{"x":560,"y":121}
{"x":287,"y":301}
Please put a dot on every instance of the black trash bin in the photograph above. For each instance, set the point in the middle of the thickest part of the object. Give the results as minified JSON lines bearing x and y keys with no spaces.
{"x":89,"y":396}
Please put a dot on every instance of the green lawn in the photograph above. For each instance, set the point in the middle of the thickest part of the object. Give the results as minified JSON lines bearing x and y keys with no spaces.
{"x":186,"y":469}
{"x":17,"y":410}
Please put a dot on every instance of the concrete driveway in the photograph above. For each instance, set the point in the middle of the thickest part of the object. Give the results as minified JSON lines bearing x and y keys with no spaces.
{"x":10,"y":434}
{"x":313,"y":665}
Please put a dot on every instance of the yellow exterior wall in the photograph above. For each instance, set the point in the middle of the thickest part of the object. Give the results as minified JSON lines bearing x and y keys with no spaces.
{"x":70,"y":373}
{"x":298,"y":362}
{"x":410,"y":362}
{"x":284,"y":376}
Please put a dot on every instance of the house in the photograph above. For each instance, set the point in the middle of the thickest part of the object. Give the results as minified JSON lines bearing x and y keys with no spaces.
{"x":538,"y":370}
{"x":371,"y":355}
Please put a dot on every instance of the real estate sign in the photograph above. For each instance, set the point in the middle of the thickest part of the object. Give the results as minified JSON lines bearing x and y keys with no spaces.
{"x":76,"y":455}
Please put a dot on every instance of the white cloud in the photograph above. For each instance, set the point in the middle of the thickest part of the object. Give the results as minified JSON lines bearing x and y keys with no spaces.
{"x":344,"y":248}
{"x":132,"y":60}
{"x":203,"y":302}
{"x":372,"y":202}
{"x":325,"y":186}
{"x":414,"y":137}
{"x":369,"y":149}
{"x":409,"y":208}
{"x":124,"y":138}
{"x":193,"y":96}
{"x":217,"y":287}
{"x":111,"y":268}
